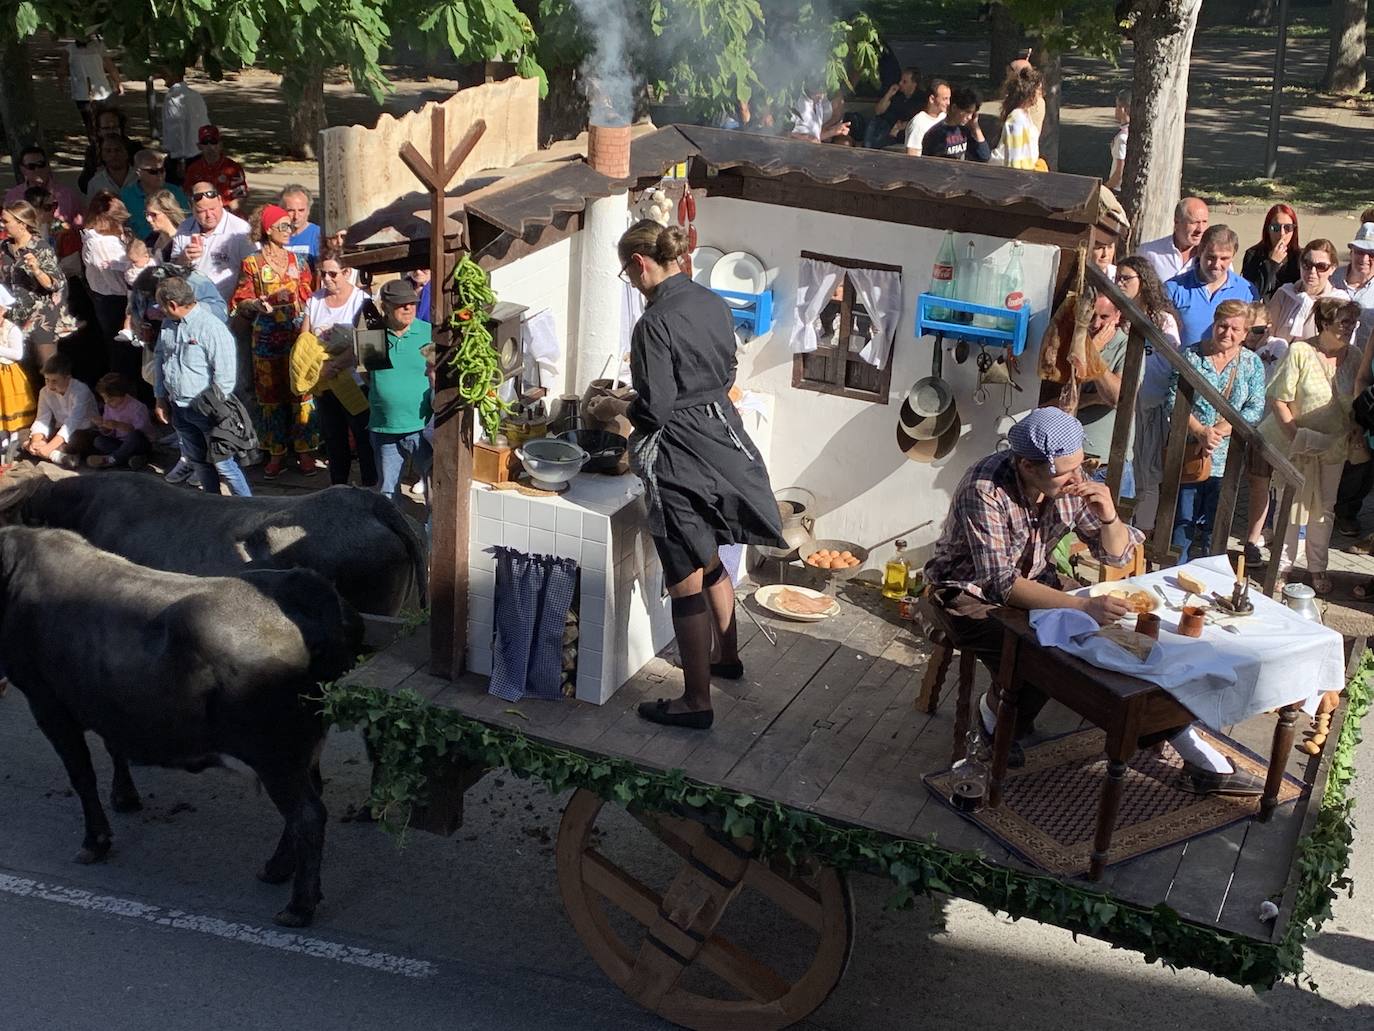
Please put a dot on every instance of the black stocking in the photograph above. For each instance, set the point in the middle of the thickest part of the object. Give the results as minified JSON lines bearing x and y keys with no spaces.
{"x":692,"y":624}
{"x":720,"y":595}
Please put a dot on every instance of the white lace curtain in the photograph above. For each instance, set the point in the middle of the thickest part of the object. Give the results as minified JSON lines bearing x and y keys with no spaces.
{"x":879,"y":292}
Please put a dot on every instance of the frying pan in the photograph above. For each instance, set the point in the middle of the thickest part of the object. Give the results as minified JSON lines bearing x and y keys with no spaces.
{"x":928,"y":409}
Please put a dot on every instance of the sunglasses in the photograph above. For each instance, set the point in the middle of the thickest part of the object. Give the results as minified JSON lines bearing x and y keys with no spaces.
{"x":154,"y":170}
{"x":1317,"y":266}
{"x":1281,"y":227}
{"x":34,"y":166}
{"x":1259,"y":331}
{"x":329,"y":273}
{"x":205,"y":195}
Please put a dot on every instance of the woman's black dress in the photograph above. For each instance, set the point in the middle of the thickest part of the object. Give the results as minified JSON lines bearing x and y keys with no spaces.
{"x":705,"y":481}
{"x":1267,"y":276}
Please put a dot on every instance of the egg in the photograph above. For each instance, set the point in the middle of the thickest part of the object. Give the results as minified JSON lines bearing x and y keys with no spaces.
{"x":846,"y":554}
{"x":822,"y":563}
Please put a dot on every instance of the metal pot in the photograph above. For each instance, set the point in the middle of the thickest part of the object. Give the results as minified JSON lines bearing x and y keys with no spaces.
{"x":1302,"y":600}
{"x":604,"y":450}
{"x":551,"y":462}
{"x":796,"y":509}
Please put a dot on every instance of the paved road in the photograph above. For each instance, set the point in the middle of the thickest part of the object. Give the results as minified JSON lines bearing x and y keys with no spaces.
{"x":467,"y":932}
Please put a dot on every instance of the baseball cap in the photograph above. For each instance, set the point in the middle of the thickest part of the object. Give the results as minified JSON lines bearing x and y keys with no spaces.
{"x":209,"y":134}
{"x":1364,"y":238}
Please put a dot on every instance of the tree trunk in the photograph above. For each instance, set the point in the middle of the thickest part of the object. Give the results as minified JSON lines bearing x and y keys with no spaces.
{"x":303,"y":90}
{"x":18,"y":108}
{"x":1153,"y":179}
{"x":563,"y":112}
{"x":1345,"y":60}
{"x":1006,"y":42}
{"x":1050,"y":65}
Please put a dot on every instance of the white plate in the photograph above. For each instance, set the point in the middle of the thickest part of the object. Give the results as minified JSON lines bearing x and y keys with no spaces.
{"x":739,"y":271}
{"x":765,"y":596}
{"x":703,"y":260}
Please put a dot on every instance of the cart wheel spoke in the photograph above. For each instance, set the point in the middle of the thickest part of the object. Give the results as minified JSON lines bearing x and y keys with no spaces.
{"x":677,"y":929}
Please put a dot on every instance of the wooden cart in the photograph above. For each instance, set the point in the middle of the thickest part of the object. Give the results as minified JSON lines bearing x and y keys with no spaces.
{"x":825,"y":735}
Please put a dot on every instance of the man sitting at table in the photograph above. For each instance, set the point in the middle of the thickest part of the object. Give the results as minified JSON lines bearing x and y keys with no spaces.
{"x":1007,"y":514}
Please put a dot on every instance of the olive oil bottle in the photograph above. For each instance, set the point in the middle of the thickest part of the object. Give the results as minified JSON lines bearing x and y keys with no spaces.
{"x":895,"y":573}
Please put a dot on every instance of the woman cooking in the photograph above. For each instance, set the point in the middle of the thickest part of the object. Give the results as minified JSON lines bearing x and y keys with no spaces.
{"x":704,"y":482}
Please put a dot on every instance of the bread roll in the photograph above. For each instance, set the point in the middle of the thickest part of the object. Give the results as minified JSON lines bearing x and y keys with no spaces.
{"x":1191,"y":583}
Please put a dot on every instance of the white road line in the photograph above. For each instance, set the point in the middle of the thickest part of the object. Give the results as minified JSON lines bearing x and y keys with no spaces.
{"x":286,"y":941}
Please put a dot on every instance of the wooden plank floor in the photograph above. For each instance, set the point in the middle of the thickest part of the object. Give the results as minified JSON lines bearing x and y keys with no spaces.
{"x":824,"y":720}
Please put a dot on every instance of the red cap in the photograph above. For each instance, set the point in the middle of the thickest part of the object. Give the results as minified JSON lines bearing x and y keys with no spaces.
{"x":209,"y":134}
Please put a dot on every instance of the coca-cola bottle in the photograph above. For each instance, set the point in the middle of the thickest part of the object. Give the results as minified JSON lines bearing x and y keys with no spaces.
{"x":1013,"y":288}
{"x":942,"y":278}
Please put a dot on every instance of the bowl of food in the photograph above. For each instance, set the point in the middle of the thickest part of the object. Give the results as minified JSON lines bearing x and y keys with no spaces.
{"x":1137,"y":598}
{"x":835,"y":559}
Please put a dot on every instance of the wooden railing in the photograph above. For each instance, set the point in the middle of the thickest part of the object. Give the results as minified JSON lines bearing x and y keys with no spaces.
{"x":1191,"y":386}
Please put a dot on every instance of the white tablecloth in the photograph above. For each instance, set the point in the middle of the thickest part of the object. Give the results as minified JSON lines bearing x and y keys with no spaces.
{"x":1277,"y":658}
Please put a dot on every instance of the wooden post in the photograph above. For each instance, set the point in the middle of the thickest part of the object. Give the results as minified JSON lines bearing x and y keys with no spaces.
{"x":451,"y":479}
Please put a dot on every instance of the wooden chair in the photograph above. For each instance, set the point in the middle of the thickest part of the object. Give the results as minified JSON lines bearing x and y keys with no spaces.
{"x":944,"y":644}
{"x":1135,"y":567}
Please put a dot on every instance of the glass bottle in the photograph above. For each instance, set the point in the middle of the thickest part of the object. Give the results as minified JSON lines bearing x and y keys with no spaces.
{"x":894,"y":574}
{"x":942,"y":282}
{"x":966,"y":280}
{"x":1013,"y":288}
{"x":971,"y":774}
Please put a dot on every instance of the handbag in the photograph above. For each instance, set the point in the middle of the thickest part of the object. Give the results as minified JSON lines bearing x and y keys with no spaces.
{"x":1197,"y":466}
{"x":1363,"y":409}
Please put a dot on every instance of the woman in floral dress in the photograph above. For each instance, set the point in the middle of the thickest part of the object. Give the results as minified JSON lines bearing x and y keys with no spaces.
{"x":29,"y":270}
{"x":272,"y":292}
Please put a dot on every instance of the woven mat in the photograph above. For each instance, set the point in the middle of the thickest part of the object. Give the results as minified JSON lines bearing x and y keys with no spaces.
{"x":1048,"y":814}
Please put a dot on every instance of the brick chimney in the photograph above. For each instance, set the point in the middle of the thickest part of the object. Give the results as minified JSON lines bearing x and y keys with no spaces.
{"x":608,"y":150}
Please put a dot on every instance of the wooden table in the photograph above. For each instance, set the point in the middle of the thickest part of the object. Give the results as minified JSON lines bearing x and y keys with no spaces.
{"x":1126,"y":707}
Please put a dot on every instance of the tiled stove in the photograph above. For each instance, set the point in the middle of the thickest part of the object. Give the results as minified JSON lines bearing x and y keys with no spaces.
{"x":624,"y":617}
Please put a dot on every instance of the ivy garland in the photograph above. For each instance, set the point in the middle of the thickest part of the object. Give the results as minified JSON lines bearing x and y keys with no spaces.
{"x":407,"y":736}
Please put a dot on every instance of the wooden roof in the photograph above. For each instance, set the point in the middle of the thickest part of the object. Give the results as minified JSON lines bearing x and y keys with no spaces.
{"x":528,"y":197}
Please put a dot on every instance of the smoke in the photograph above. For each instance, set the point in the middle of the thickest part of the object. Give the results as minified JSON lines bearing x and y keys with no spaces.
{"x":610,"y":80}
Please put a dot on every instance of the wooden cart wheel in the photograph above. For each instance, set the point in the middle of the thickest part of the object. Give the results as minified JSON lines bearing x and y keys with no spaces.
{"x":679,"y":926}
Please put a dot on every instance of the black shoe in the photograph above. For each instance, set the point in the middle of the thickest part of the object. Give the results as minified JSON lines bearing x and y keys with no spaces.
{"x":1016,"y":758}
{"x":1254,"y":558}
{"x":1209,"y":782}
{"x":728,"y":670}
{"x":1347,"y":527}
{"x":657,"y":712}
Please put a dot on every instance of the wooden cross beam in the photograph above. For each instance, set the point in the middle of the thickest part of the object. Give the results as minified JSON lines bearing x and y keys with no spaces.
{"x":451,"y":477}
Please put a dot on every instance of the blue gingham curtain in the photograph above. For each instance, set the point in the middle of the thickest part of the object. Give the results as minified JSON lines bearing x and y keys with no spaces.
{"x":533,"y":595}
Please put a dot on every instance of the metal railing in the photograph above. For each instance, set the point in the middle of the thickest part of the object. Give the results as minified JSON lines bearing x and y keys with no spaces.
{"x":1191,"y":386}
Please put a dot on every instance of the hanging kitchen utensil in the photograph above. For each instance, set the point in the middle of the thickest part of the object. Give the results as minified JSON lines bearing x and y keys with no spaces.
{"x":980,"y":393}
{"x":961,"y":352}
{"x":928,"y":409}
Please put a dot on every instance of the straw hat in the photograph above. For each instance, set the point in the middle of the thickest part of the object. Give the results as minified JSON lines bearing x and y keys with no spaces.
{"x":931,"y":449}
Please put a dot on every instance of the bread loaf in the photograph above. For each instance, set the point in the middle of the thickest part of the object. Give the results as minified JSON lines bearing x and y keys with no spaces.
{"x":1190,"y":583}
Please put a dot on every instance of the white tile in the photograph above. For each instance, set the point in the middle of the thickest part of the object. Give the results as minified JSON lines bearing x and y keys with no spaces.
{"x":489,"y":503}
{"x":593,"y":587}
{"x":595,"y":527}
{"x":594,"y":555}
{"x":481,"y":558}
{"x":518,"y":537}
{"x":543,"y":515}
{"x":489,"y":530}
{"x":481,"y":607}
{"x":566,"y":546}
{"x":481,"y":635}
{"x":479,"y":661}
{"x":591,"y":635}
{"x":589,"y":663}
{"x":570,"y":521}
{"x":515,"y":509}
{"x":541,"y":541}
{"x":482,"y":582}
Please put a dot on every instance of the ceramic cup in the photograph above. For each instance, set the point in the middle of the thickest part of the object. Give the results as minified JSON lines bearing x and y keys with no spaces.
{"x":1191,"y":621}
{"x":1147,"y":623}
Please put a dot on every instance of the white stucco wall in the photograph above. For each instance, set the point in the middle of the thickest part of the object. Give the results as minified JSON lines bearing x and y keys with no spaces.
{"x":843,"y":450}
{"x":549,"y":278}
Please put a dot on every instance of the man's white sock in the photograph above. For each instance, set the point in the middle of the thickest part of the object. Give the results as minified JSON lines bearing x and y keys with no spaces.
{"x":989,"y":717}
{"x":1189,"y":744}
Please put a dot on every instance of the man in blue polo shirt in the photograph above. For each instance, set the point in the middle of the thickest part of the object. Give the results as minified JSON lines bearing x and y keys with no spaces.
{"x":1197,"y":291}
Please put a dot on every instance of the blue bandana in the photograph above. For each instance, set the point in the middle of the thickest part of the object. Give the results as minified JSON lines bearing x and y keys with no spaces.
{"x":1046,"y":434}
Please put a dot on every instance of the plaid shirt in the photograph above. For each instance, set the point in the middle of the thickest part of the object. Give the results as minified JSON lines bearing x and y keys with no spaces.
{"x":993,"y":534}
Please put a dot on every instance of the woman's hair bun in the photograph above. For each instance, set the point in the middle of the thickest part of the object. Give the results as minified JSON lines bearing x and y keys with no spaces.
{"x":671,"y":245}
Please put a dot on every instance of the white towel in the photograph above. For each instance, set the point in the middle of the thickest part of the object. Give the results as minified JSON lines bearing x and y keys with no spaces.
{"x":539,"y":337}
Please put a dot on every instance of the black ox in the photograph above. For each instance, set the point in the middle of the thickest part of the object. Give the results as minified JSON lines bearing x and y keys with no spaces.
{"x":179,"y":671}
{"x":354,"y":538}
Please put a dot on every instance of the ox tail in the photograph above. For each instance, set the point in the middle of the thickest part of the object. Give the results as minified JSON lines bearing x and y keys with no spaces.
{"x":416,"y":549}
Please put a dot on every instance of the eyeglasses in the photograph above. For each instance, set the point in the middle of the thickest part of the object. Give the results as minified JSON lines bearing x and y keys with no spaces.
{"x":205,"y":195}
{"x":34,"y":166}
{"x":154,"y":170}
{"x":1122,"y":279}
{"x":1281,"y":227}
{"x":624,"y":270}
{"x":329,"y":273}
{"x":1317,"y":266}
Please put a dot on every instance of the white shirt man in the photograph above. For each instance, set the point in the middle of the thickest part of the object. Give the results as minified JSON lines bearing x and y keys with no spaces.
{"x":183,"y":113}
{"x":937,"y":103}
{"x":1174,"y":254}
{"x":213,"y":240}
{"x":1356,"y":278}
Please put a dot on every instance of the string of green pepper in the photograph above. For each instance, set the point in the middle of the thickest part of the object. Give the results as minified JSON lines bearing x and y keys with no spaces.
{"x":475,"y":359}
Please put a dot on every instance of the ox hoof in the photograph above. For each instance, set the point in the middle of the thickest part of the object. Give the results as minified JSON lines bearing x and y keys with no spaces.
{"x":126,"y":803}
{"x":290,"y":917}
{"x":276,"y":873}
{"x":93,"y":854}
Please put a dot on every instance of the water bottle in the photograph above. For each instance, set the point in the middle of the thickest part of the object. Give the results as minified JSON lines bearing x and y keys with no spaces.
{"x":1013,"y":289}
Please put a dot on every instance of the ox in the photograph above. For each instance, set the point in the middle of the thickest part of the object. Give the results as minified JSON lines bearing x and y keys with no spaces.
{"x":356,"y":539}
{"x":179,"y":671}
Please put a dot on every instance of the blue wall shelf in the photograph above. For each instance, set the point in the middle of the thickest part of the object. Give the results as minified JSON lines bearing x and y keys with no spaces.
{"x":756,"y":312}
{"x":1015,"y":337}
